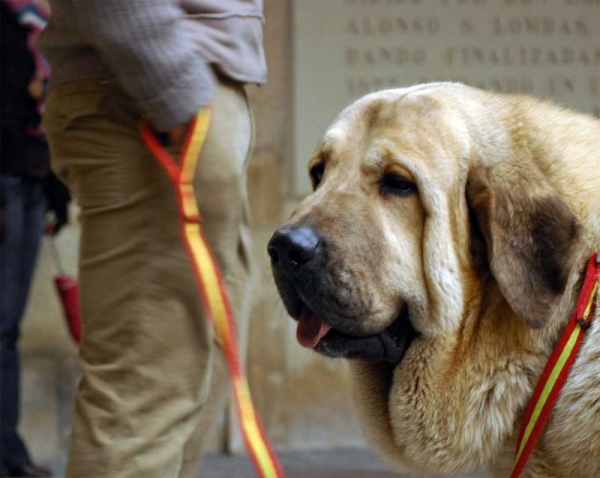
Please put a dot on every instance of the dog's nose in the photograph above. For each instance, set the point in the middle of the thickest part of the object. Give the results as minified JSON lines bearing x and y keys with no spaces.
{"x":293,"y":245}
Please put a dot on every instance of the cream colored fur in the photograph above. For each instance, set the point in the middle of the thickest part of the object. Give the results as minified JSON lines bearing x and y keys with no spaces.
{"x":456,"y":400}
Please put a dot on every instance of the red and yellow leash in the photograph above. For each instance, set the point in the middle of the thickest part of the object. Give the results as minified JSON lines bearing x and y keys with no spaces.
{"x":557,"y":369}
{"x":210,"y":283}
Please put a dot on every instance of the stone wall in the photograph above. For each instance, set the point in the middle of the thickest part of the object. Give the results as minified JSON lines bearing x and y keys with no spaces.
{"x":304,"y":399}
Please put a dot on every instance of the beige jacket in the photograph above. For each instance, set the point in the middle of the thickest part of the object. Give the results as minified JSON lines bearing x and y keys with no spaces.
{"x":163,"y":53}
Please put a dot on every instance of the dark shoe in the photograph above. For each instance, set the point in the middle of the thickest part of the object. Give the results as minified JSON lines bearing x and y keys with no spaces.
{"x":30,"y":471}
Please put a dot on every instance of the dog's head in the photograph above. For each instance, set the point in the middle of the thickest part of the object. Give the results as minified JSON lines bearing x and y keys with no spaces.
{"x":414,"y":202}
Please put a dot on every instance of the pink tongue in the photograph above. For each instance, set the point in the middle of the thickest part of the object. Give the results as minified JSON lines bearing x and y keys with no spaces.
{"x":311,"y":329}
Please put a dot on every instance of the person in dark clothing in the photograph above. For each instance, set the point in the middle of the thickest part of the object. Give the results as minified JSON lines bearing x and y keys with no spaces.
{"x":27,"y":191}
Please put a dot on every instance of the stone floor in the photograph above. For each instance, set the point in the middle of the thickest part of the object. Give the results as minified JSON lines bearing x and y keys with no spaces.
{"x":342,"y":463}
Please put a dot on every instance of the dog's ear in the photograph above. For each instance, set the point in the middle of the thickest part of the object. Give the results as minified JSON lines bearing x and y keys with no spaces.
{"x":529,"y":233}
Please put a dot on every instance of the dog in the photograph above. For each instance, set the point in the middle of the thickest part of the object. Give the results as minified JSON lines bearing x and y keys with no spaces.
{"x":442,"y":252}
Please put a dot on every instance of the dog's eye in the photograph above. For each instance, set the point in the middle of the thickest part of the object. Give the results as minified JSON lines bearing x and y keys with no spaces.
{"x":396,"y":185}
{"x":316,"y":174}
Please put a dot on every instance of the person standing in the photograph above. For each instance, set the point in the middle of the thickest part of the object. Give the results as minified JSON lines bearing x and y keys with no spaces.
{"x":154,"y":376}
{"x":26,"y":192}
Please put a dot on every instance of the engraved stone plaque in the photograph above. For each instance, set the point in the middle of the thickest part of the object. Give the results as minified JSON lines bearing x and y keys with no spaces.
{"x":343,"y":49}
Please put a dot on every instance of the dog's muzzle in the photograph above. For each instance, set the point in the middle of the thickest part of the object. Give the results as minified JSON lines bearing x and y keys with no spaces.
{"x":299,"y":258}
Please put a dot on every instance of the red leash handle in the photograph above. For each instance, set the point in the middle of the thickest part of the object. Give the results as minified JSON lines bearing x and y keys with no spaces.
{"x":210,"y":283}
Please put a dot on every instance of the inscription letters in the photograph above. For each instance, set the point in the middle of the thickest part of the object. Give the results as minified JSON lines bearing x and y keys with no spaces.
{"x":375,"y":43}
{"x":548,"y":48}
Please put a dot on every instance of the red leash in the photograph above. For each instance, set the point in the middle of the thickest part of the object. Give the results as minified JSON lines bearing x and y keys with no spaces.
{"x":211,"y":287}
{"x":557,"y":369}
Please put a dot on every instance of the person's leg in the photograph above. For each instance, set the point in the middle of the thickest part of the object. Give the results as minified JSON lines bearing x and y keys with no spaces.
{"x":33,"y":228}
{"x":12,"y":450}
{"x":25,"y":208}
{"x":147,"y":347}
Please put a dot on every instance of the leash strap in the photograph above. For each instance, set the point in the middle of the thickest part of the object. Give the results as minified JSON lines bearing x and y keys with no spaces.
{"x":557,"y":369}
{"x":210,"y":283}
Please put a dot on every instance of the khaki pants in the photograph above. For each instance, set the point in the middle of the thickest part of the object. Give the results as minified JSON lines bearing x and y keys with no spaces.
{"x":154,"y":379}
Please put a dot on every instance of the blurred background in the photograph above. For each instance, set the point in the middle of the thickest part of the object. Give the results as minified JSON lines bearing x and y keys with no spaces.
{"x":322,"y":54}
